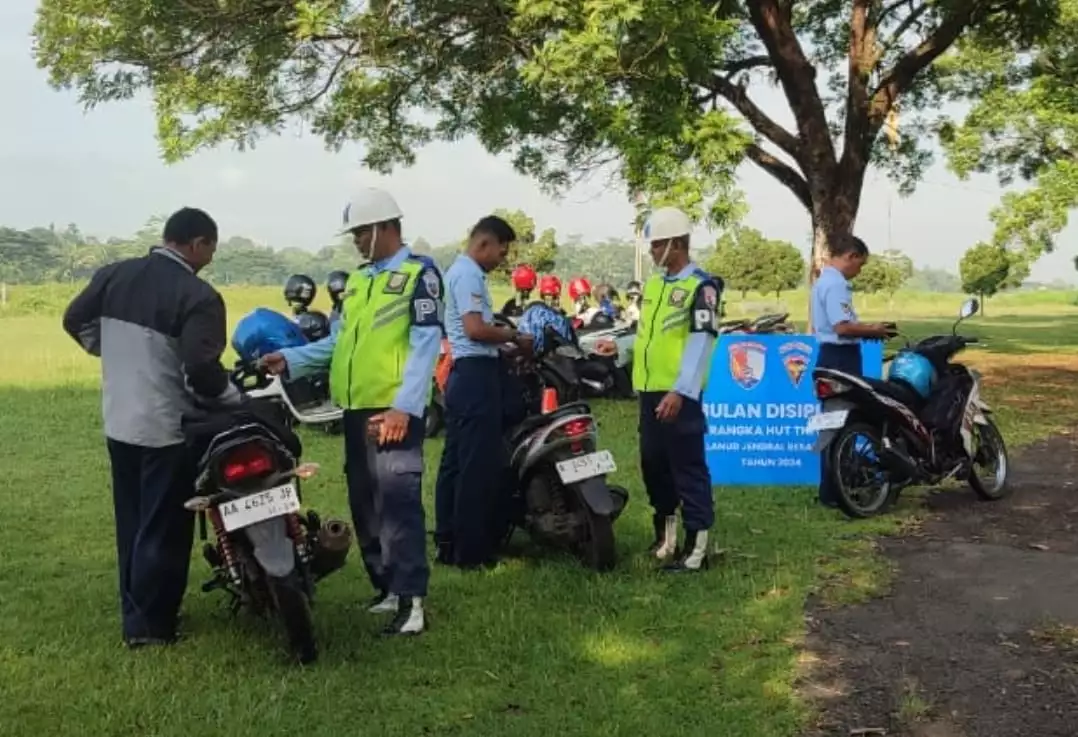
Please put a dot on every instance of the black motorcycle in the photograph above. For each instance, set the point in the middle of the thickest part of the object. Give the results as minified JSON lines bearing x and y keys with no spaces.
{"x":883,"y":435}
{"x":558,"y":491}
{"x":265,"y":553}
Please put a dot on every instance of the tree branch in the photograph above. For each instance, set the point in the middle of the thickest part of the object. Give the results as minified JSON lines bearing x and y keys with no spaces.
{"x":901,"y":75}
{"x":757,"y":118}
{"x":783,"y":172}
{"x":743,"y":65}
{"x":861,"y":59}
{"x":773,"y":25}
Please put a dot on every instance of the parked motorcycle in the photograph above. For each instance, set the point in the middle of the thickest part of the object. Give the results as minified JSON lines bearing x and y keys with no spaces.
{"x":265,"y":553}
{"x":925,"y":424}
{"x":558,"y":491}
{"x":771,"y":323}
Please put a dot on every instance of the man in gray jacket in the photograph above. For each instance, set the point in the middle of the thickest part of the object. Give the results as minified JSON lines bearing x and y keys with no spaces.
{"x":160,"y":331}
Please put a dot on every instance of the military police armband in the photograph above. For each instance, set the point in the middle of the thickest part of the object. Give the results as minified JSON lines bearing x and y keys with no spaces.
{"x":427,"y":306}
{"x":705,"y":311}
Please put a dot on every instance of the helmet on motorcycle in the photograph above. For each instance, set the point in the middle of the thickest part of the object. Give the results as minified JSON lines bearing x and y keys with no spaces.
{"x":524,"y":278}
{"x":314,"y":325}
{"x":579,"y":287}
{"x":265,"y":331}
{"x":336,"y":283}
{"x":913,"y":371}
{"x":369,"y":206}
{"x":550,"y":286}
{"x":299,"y":290}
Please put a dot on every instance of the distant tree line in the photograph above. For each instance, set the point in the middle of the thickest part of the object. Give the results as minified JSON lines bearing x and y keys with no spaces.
{"x":746,"y":259}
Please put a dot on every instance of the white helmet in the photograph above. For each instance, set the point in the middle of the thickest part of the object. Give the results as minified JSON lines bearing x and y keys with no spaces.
{"x":367,"y":207}
{"x":666,"y":223}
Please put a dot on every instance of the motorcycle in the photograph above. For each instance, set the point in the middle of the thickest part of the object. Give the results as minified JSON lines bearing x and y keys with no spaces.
{"x":884,"y":435}
{"x":558,"y":491}
{"x":772,"y":323}
{"x":266,"y":554}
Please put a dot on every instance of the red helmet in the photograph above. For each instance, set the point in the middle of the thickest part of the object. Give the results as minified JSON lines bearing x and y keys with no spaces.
{"x":524,"y":278}
{"x":579,"y":287}
{"x":550,"y":286}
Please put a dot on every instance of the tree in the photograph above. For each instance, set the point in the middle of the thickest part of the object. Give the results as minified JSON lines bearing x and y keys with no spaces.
{"x":783,"y":267}
{"x":659,"y":88}
{"x":747,"y":261}
{"x":984,"y":269}
{"x":1023,"y":126}
{"x":886,"y":273}
{"x":422,"y":246}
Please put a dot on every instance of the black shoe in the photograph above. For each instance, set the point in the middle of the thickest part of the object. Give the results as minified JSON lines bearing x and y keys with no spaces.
{"x":409,"y":620}
{"x":693,"y":556}
{"x":134,"y":643}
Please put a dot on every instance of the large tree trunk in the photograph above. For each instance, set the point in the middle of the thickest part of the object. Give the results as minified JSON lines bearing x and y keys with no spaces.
{"x":833,"y":214}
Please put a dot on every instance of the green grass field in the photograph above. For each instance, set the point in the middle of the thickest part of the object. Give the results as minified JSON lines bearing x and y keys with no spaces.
{"x":536,"y":647}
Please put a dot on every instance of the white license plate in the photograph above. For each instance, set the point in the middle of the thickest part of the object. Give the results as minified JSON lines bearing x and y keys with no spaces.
{"x":259,"y":507}
{"x":828,"y":420}
{"x":586,"y":467}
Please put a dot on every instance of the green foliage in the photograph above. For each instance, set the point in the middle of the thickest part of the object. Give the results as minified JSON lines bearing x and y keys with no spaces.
{"x":885,"y":272}
{"x":658,"y":88}
{"x":984,"y":269}
{"x":1023,"y":126}
{"x":747,"y":261}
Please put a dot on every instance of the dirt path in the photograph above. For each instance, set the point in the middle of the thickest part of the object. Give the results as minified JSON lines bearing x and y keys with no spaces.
{"x":978,"y":636}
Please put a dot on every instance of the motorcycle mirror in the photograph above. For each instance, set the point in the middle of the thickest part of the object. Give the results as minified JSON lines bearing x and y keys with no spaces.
{"x":969,"y":308}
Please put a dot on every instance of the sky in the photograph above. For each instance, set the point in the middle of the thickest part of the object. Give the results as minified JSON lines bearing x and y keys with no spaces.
{"x":102,"y":170}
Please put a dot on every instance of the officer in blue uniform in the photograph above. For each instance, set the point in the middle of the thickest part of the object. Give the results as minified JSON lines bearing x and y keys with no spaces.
{"x":381,"y":355}
{"x":469,"y":477}
{"x":837,"y":329}
{"x":676,"y":334}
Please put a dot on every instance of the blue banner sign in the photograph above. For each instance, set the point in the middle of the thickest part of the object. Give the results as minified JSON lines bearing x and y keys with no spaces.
{"x":757,"y":402}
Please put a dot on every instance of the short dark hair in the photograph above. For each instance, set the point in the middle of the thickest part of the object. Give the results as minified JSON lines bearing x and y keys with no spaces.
{"x":187,"y":224}
{"x":846,"y":243}
{"x":496,"y":227}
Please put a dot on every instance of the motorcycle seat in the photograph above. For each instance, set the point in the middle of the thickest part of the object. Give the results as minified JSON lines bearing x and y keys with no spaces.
{"x":895,"y":391}
{"x":534,"y":422}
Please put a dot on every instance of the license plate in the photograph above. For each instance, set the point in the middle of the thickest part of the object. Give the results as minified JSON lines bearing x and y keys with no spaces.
{"x":258,"y":507}
{"x":586,"y":467}
{"x":828,"y":420}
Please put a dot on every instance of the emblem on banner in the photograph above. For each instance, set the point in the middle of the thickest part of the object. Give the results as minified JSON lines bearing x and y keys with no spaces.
{"x":795,"y":357}
{"x":748,"y":361}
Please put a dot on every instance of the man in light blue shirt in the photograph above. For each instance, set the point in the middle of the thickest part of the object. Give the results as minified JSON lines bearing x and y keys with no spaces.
{"x":837,"y":329}
{"x":381,"y":355}
{"x":469,"y":477}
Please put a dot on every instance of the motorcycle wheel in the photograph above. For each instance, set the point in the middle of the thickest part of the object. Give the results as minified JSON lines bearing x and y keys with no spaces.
{"x":599,"y":553}
{"x":990,"y":448}
{"x":435,"y":420}
{"x":292,"y":604}
{"x":846,"y":461}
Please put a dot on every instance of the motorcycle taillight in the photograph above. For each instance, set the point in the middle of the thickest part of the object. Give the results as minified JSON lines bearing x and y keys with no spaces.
{"x":245,"y":462}
{"x":827,"y":388}
{"x":576,"y":428}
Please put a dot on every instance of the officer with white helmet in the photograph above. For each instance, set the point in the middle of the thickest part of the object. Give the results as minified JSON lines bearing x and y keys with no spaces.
{"x":381,"y":357}
{"x":676,"y":333}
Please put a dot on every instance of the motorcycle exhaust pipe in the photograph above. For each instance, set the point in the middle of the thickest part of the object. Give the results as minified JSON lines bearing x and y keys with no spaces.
{"x":899,"y":463}
{"x":330,"y":547}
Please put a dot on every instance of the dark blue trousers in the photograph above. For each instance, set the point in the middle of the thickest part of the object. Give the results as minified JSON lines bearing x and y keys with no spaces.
{"x":467,"y":496}
{"x":154,"y":534}
{"x":844,"y":357}
{"x":385,"y":493}
{"x":673,"y":463}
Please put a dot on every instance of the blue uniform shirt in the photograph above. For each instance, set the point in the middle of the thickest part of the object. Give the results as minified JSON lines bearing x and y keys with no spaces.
{"x":832,"y":303}
{"x":703,"y":330}
{"x":466,"y":285}
{"x":425,"y":337}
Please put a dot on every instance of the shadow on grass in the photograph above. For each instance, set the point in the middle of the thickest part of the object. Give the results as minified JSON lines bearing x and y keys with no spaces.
{"x":538,"y":646}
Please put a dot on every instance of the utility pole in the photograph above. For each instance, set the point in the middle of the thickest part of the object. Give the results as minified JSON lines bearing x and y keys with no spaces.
{"x":642,"y":209}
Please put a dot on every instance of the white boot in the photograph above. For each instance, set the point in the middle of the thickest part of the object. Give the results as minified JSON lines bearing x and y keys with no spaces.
{"x":383,"y":604}
{"x":693,"y":556}
{"x":665,"y":536}
{"x":409,"y":620}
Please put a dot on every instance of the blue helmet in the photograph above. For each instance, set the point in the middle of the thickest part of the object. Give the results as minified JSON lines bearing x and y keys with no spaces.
{"x":913,"y":370}
{"x":265,"y":331}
